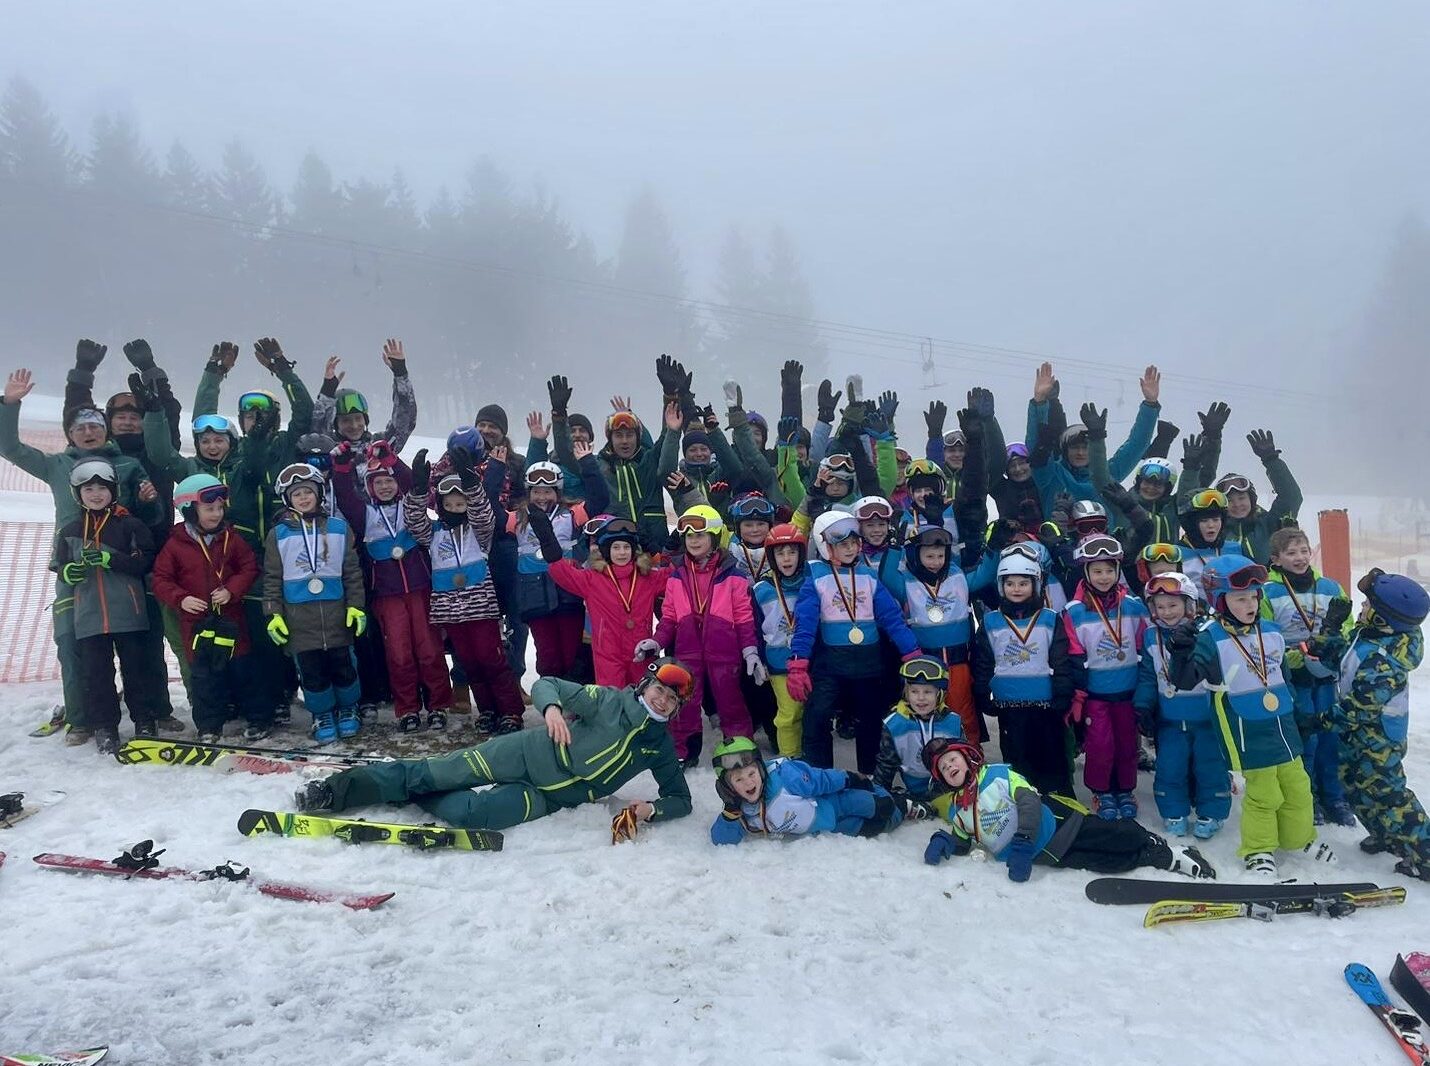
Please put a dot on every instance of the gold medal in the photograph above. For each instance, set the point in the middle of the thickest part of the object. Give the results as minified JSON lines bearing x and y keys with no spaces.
{"x":315,"y":585}
{"x":935,"y":613}
{"x":459,"y":580}
{"x":856,"y":636}
{"x":397,"y":552}
{"x":1269,"y":701}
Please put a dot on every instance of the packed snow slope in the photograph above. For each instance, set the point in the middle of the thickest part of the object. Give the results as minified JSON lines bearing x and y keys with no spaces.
{"x":563,"y":948}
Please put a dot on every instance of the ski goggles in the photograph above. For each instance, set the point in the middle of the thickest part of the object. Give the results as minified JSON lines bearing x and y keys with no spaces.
{"x":255,"y":401}
{"x":955,"y":438}
{"x":1155,"y":471}
{"x":600,"y":522}
{"x":622,"y":420}
{"x":697,"y":523}
{"x":352,"y":404}
{"x":296,"y":474}
{"x":733,"y":760}
{"x":1161,"y":553}
{"x":541,"y":476}
{"x":924,"y":669}
{"x":1209,"y":500}
{"x":902,"y":456}
{"x":1246,"y":577}
{"x":874,"y":509}
{"x":839,"y":533}
{"x":922,"y":468}
{"x":1025,"y":548}
{"x":320,"y":461}
{"x":676,"y":678}
{"x":839,"y":464}
{"x":213,"y":424}
{"x":1164,"y":585}
{"x":1096,"y":548}
{"x":450,"y":483}
{"x":1233,"y":483}
{"x":752,"y":506}
{"x":933,"y":537}
{"x":212,"y":494}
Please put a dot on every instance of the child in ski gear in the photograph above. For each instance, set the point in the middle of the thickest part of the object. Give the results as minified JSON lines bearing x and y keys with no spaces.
{"x":752,"y":515}
{"x":1297,"y":598}
{"x":103,"y":555}
{"x":313,"y":596}
{"x":344,"y":414}
{"x":399,"y":582}
{"x":1249,"y":525}
{"x":707,"y":622}
{"x":993,"y":806}
{"x":835,"y":655}
{"x":1203,"y":517}
{"x":553,"y":614}
{"x":1159,"y":558}
{"x":876,"y":515}
{"x":1189,"y":752}
{"x":1373,"y":714}
{"x":1104,"y":624}
{"x":1154,"y":485}
{"x":917,"y":718}
{"x":464,"y":598}
{"x":619,"y":586}
{"x":1023,"y":677}
{"x":1241,"y":656}
{"x":786,"y":797}
{"x":775,"y":597}
{"x":595,"y":740}
{"x":203,"y":571}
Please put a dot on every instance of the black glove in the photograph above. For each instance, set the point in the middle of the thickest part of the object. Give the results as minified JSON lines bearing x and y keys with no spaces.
{"x":1118,"y":496}
{"x":1263,"y":444}
{"x":560,"y":394}
{"x":828,"y":399}
{"x":1003,"y":532}
{"x":933,"y":507}
{"x":1193,"y":450}
{"x":972,"y":425}
{"x":888,"y":404}
{"x":1161,"y":446}
{"x":1094,"y":420}
{"x":421,"y":473}
{"x":935,"y":417}
{"x":1062,"y":509}
{"x":980,"y":400}
{"x":223,"y":357}
{"x":1049,"y":535}
{"x":1047,"y":445}
{"x":145,"y":397}
{"x":1182,"y":637}
{"x":88,"y":355}
{"x":270,"y":353}
{"x":874,"y":420}
{"x":464,"y":464}
{"x":790,"y":376}
{"x":540,"y":524}
{"x":853,"y":779}
{"x":672,"y":376}
{"x":140,"y":354}
{"x":1338,"y":611}
{"x":1214,"y":418}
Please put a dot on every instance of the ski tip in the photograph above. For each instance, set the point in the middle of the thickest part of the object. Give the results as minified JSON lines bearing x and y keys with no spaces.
{"x":367,"y":903}
{"x":253,"y":822}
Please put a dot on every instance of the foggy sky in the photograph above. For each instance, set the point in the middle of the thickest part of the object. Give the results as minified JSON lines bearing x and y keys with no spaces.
{"x":1196,"y":185}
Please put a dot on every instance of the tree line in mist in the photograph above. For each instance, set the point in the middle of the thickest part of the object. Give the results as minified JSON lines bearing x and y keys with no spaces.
{"x":491,"y":288}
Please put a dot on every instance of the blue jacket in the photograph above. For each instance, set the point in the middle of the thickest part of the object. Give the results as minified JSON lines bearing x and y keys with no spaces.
{"x":1058,"y":477}
{"x":792,"y":804}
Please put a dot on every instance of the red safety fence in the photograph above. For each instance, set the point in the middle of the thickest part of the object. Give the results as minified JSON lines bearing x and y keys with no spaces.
{"x":27,"y":645}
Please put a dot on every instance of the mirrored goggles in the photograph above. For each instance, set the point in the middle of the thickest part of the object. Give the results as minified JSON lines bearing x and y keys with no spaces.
{"x":551,"y":478}
{"x":1209,"y":500}
{"x":255,"y":401}
{"x":1162,"y":553}
{"x":874,"y":509}
{"x":213,"y":423}
{"x":752,"y":506}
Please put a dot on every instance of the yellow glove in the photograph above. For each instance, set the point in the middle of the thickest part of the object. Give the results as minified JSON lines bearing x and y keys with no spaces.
{"x":357,"y":621}
{"x":624,"y":825}
{"x":278,"y":629}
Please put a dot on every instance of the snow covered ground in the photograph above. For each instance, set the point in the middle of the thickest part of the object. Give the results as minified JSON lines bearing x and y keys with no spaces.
{"x":565,"y":949}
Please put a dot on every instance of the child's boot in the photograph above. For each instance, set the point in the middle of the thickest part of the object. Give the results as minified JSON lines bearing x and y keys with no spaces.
{"x":1206,"y":828}
{"x":1189,"y":862}
{"x":1107,"y":806}
{"x":325,"y":727}
{"x":1320,"y":851}
{"x":1126,"y":805}
{"x":1262,"y":864}
{"x":436,"y":721}
{"x":349,"y":722}
{"x":1342,"y":814}
{"x":409,"y":723}
{"x":1176,"y":827}
{"x":106,"y":741}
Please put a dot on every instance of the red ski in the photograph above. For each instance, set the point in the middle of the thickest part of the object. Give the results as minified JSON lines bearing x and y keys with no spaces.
{"x":276,"y":889}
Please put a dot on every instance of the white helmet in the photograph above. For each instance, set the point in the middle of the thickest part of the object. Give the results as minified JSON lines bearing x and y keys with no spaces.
{"x":1171,"y":583}
{"x":295,"y":474}
{"x":94,"y":469}
{"x":545,"y":475}
{"x":840,"y":522}
{"x":1016,"y":561}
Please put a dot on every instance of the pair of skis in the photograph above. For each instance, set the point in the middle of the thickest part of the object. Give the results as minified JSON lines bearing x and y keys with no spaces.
{"x":358,"y":831}
{"x":1177,"y":902}
{"x":1411,"y":978}
{"x":235,"y":758}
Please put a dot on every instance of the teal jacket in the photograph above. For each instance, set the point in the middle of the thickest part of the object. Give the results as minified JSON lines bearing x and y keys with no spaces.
{"x":613,"y":740}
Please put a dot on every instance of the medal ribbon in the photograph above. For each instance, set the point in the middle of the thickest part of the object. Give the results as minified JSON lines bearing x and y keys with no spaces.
{"x":1023,"y":634}
{"x":98,"y":529}
{"x":382,"y":513}
{"x":1263,"y":671}
{"x":932,"y":590}
{"x":784,"y":604}
{"x":851,"y":602}
{"x":626,"y":599}
{"x":218,"y":570}
{"x":1308,"y":621}
{"x":310,"y":549}
{"x":693,"y":576}
{"x":1113,"y":631}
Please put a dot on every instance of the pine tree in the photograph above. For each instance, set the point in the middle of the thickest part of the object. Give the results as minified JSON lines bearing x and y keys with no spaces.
{"x":185,"y":183}
{"x":317,"y":204}
{"x":34,"y":151}
{"x":241,"y":190}
{"x":119,"y":167}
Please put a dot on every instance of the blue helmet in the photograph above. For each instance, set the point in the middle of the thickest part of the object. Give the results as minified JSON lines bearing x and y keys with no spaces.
{"x":1230,"y":573}
{"x":1399,"y":601}
{"x":467,"y":437}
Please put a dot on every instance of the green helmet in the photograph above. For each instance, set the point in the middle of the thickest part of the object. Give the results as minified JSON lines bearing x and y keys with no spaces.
{"x":731,"y":755}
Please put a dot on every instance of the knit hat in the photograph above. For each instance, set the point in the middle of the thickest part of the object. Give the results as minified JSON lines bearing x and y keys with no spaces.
{"x":581,"y":420}
{"x":493,"y":413}
{"x":694,"y":436}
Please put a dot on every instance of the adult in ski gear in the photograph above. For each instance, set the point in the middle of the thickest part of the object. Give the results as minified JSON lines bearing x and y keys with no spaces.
{"x":1249,"y":525}
{"x":995,"y":807}
{"x":595,"y":740}
{"x":343,"y":413}
{"x":787,"y":798}
{"x":1372,"y":714}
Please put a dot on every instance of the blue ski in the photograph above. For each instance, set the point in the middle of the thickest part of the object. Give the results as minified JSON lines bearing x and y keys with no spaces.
{"x":1404,"y":1025}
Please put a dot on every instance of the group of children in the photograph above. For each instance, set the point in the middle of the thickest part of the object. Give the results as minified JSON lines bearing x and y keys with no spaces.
{"x":831,"y":584}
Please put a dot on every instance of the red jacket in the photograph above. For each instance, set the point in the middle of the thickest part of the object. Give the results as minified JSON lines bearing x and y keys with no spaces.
{"x":182,"y":569}
{"x":613,"y":646}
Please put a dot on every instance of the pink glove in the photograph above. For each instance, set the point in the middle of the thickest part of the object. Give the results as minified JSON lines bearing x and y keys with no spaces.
{"x":800,"y":686}
{"x":1075,"y":709}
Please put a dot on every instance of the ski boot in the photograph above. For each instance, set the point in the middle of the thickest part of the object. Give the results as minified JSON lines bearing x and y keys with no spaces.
{"x":1262,"y":864}
{"x":1418,"y":870}
{"x":1320,"y":851}
{"x":77,"y":735}
{"x":349,"y":722}
{"x":486,"y":722}
{"x":169,"y":724}
{"x":254,"y":733}
{"x":409,"y":723}
{"x":1342,"y":814}
{"x":367,"y":709}
{"x":325,"y":727}
{"x":145,"y":731}
{"x":508,"y":726}
{"x":846,"y":727}
{"x":106,"y":741}
{"x":1373,"y":846}
{"x":914,"y":810}
{"x":1176,"y":827}
{"x":1189,"y":862}
{"x":1206,"y":828}
{"x":436,"y":721}
{"x":314,"y":796}
{"x":1126,"y":806}
{"x":210,"y":738}
{"x":1107,"y":806}
{"x":283,"y":711}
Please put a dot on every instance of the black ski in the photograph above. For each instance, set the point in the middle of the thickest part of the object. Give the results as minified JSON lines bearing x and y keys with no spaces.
{"x":1411,"y":978}
{"x":1133,"y":890}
